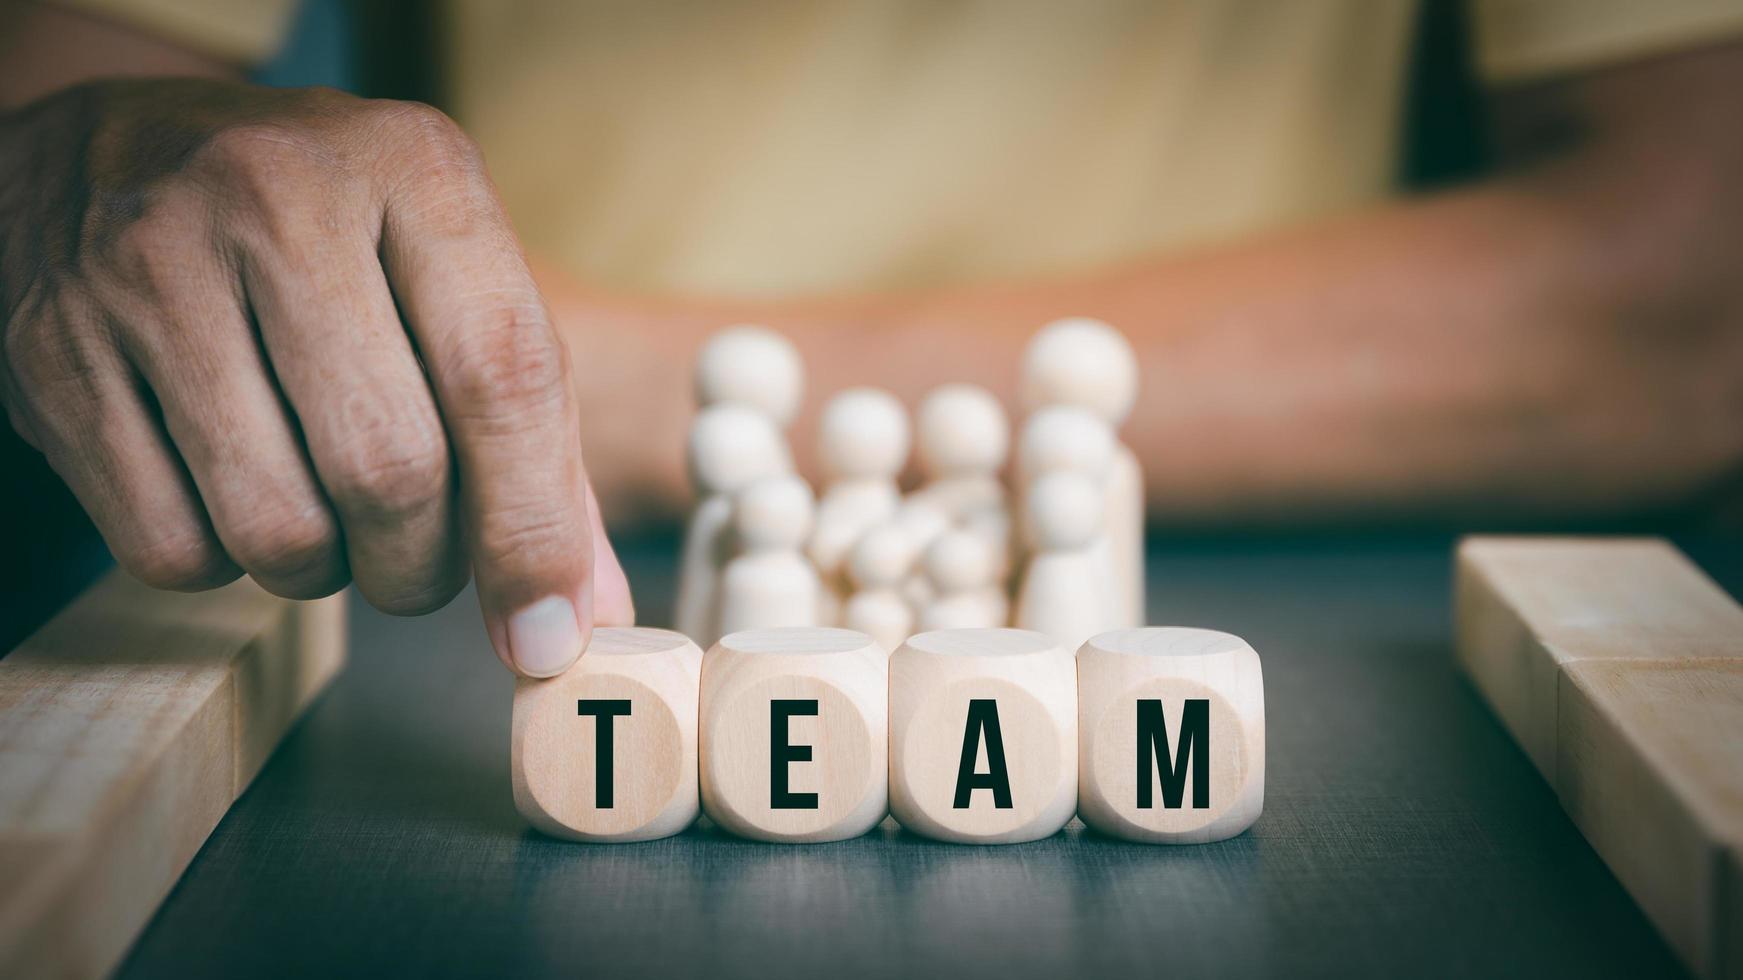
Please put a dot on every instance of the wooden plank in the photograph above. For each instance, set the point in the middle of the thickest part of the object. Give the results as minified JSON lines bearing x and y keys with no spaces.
{"x":1619,"y":668}
{"x":1526,"y":606}
{"x":128,"y":725}
{"x":1731,"y":921}
{"x":1651,"y":759}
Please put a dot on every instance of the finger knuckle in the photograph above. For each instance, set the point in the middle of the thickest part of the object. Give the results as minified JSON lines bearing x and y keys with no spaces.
{"x":263,"y":151}
{"x":187,"y":560}
{"x":512,"y":365}
{"x":383,"y":472}
{"x":530,"y":540}
{"x":148,"y":252}
{"x":412,"y":600}
{"x":290,"y":546}
{"x":435,"y":145}
{"x":48,"y":352}
{"x":267,"y":173}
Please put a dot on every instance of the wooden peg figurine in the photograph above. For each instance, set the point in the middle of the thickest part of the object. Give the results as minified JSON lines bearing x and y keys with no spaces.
{"x":963,"y":438}
{"x":1085,"y":362}
{"x":862,"y":444}
{"x":963,"y":568}
{"x":1065,"y":590}
{"x":770,"y":583}
{"x":731,"y":446}
{"x":607,"y":750}
{"x":1171,"y":735}
{"x":794,"y":736}
{"x":880,"y":562}
{"x":983,"y":729}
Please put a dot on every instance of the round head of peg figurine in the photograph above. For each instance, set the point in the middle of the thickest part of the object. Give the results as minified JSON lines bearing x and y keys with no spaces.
{"x":732,"y":446}
{"x":962,"y":429}
{"x":751,"y":365}
{"x":1065,"y":437}
{"x":961,"y":560}
{"x":1062,"y":512}
{"x":863,"y":434}
{"x":1084,"y":362}
{"x":773,"y":514}
{"x":882,"y":557}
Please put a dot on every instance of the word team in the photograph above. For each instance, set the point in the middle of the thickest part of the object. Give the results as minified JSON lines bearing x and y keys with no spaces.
{"x":972,"y":735}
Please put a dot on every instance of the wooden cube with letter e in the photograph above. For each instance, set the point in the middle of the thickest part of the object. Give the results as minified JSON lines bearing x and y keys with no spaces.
{"x":794,"y":734}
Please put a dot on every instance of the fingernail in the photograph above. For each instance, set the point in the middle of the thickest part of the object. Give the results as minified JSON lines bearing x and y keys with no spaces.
{"x":545,"y":637}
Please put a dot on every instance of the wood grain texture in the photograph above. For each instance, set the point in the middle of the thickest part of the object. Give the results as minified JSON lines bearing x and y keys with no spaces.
{"x":1731,"y":920}
{"x":935,"y":680}
{"x":840,"y":742}
{"x":1116,"y":671}
{"x":1618,"y":666}
{"x":1651,"y":765}
{"x":1526,"y":606}
{"x":128,"y":725}
{"x":555,"y":749}
{"x":1124,"y":513}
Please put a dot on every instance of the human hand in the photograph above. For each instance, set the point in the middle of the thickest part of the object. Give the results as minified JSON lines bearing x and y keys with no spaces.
{"x":290,"y":333}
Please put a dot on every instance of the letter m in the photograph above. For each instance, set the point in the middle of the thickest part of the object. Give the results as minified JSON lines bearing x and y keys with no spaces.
{"x":1193,"y":749}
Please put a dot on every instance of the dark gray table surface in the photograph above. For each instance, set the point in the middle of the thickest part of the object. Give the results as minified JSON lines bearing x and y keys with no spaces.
{"x":1403,"y":833}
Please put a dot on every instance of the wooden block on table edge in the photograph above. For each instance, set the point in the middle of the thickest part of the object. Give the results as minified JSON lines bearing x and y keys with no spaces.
{"x":1651,"y":764}
{"x":1732,"y":923}
{"x":128,"y":725}
{"x":1590,"y":599}
{"x":1662,"y":808}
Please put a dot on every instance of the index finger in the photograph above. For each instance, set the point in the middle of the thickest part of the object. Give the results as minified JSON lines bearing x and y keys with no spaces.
{"x":500,"y":375}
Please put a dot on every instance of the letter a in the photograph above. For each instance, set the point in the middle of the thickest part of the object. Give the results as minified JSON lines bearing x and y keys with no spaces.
{"x":983,"y":721}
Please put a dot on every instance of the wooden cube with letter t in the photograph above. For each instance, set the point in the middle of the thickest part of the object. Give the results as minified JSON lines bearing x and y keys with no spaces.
{"x":794,"y":734}
{"x":1171,"y":735}
{"x":983,"y":735}
{"x":607,"y":750}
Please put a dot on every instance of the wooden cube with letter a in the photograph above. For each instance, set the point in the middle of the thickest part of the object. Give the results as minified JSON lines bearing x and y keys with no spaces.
{"x":983,"y":735}
{"x":607,"y":750}
{"x":1171,"y":735}
{"x":794,"y":734}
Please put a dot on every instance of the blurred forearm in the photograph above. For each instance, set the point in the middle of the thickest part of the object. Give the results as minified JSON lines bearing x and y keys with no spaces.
{"x":45,"y":48}
{"x":1564,"y":340}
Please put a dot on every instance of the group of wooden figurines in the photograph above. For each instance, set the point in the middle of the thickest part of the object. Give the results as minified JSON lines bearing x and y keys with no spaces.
{"x":1062,"y":553}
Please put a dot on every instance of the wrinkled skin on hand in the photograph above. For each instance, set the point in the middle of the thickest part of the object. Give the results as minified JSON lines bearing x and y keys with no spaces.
{"x":291,"y":333}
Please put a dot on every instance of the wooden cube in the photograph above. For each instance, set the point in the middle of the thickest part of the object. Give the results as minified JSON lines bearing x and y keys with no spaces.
{"x":794,"y":734}
{"x":606,"y":751}
{"x":1617,"y":664}
{"x":1527,"y":607}
{"x":1171,"y":735}
{"x":983,"y":727}
{"x":1650,"y":765}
